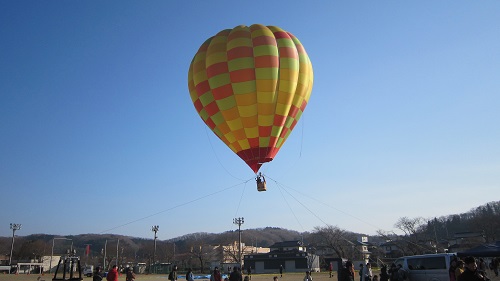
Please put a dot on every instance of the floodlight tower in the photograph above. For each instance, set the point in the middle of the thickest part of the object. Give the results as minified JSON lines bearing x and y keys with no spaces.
{"x":155,"y":229}
{"x":14,"y":227}
{"x":239,"y":222}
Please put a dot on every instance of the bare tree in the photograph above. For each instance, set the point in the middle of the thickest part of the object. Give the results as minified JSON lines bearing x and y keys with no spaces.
{"x":415,"y":241}
{"x":32,"y":249}
{"x":410,"y":226}
{"x":335,"y":239}
{"x":230,"y":251}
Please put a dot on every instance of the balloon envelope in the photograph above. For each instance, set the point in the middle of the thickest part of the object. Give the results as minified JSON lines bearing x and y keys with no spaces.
{"x":250,"y":85}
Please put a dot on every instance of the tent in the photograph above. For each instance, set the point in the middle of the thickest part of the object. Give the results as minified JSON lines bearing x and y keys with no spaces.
{"x":486,"y":250}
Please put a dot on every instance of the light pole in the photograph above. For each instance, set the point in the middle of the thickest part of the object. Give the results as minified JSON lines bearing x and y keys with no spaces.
{"x":117,"y":243}
{"x":14,"y":227}
{"x":52,"y":253}
{"x":155,"y":229}
{"x":239,"y":222}
{"x":104,"y":257}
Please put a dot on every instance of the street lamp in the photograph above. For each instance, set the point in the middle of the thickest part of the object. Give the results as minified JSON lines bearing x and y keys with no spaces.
{"x":155,"y":229}
{"x":239,"y":222}
{"x":104,"y":255}
{"x":52,"y":253}
{"x":14,"y":227}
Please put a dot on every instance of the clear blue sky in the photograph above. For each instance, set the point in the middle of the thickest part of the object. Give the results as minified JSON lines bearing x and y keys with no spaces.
{"x":98,"y":133}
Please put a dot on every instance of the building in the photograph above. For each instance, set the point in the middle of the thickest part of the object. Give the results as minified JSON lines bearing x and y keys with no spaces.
{"x":230,"y":254}
{"x":363,"y":249}
{"x":291,"y":255}
{"x":390,"y":250}
{"x":465,"y":240}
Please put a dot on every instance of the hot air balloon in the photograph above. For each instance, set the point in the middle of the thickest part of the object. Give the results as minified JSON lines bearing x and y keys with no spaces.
{"x":250,"y":85}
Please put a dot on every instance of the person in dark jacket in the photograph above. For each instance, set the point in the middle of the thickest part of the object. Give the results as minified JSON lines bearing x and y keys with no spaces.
{"x":393,"y":272}
{"x":235,"y":275}
{"x":172,"y":276}
{"x":347,"y":273}
{"x":361,"y":276}
{"x":97,"y":274}
{"x":471,"y":273}
{"x":384,"y":276}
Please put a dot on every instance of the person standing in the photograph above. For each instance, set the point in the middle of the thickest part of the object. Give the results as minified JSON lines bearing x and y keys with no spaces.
{"x":347,"y":273}
{"x":173,"y":274}
{"x":190,"y":275}
{"x":130,"y":274}
{"x":393,"y":272}
{"x":384,"y":276}
{"x":460,"y":268}
{"x":361,"y":276}
{"x":481,"y":268}
{"x":451,"y":271}
{"x":308,"y":276}
{"x":402,"y":274}
{"x":367,"y":272}
{"x":281,"y":270}
{"x":330,"y":268}
{"x":235,"y":275}
{"x":216,"y":276}
{"x":97,"y":274}
{"x":112,"y":274}
{"x":471,"y":273}
{"x":495,"y":265}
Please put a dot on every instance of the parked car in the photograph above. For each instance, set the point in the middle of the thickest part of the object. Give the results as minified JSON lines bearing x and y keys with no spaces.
{"x":432,"y":267}
{"x":88,"y":270}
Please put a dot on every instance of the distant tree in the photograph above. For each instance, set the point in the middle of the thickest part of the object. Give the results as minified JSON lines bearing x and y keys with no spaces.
{"x":33,"y":249}
{"x":336,"y":239}
{"x":486,"y":219}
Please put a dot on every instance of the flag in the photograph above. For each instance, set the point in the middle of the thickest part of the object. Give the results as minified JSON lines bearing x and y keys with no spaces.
{"x":87,"y":250}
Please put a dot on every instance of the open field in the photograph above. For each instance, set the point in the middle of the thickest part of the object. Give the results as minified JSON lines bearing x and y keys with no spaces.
{"x":323,"y":276}
{"x":317,"y":276}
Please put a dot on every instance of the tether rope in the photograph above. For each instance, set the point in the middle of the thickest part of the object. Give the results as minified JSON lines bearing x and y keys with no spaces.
{"x":176,"y":206}
{"x":289,"y":207}
{"x":325,"y":204}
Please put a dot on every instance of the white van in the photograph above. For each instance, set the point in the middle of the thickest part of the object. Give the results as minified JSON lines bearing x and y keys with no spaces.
{"x":432,"y":267}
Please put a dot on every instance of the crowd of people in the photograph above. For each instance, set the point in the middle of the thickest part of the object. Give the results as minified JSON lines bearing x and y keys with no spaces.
{"x":468,"y":269}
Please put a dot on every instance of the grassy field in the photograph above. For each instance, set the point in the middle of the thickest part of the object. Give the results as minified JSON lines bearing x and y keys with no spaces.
{"x":323,"y":276}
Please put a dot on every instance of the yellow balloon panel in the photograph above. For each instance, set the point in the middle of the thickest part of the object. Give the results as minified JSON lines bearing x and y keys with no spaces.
{"x":250,"y":85}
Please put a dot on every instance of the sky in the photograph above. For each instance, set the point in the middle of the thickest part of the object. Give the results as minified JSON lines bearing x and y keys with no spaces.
{"x":98,"y":133}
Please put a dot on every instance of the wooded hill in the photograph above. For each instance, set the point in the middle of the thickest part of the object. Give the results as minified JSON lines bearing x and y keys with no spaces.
{"x":484,"y":219}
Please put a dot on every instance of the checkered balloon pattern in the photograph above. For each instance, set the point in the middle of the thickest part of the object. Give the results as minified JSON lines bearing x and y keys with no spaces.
{"x":250,"y":85}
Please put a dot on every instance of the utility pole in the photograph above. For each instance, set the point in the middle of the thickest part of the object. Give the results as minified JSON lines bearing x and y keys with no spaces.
{"x":239,"y":222}
{"x":14,"y":227}
{"x":117,"y":243}
{"x":155,"y":229}
{"x":104,"y":257}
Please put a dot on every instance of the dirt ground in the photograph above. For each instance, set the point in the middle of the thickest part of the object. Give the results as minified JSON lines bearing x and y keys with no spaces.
{"x":317,"y":276}
{"x":323,"y":276}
